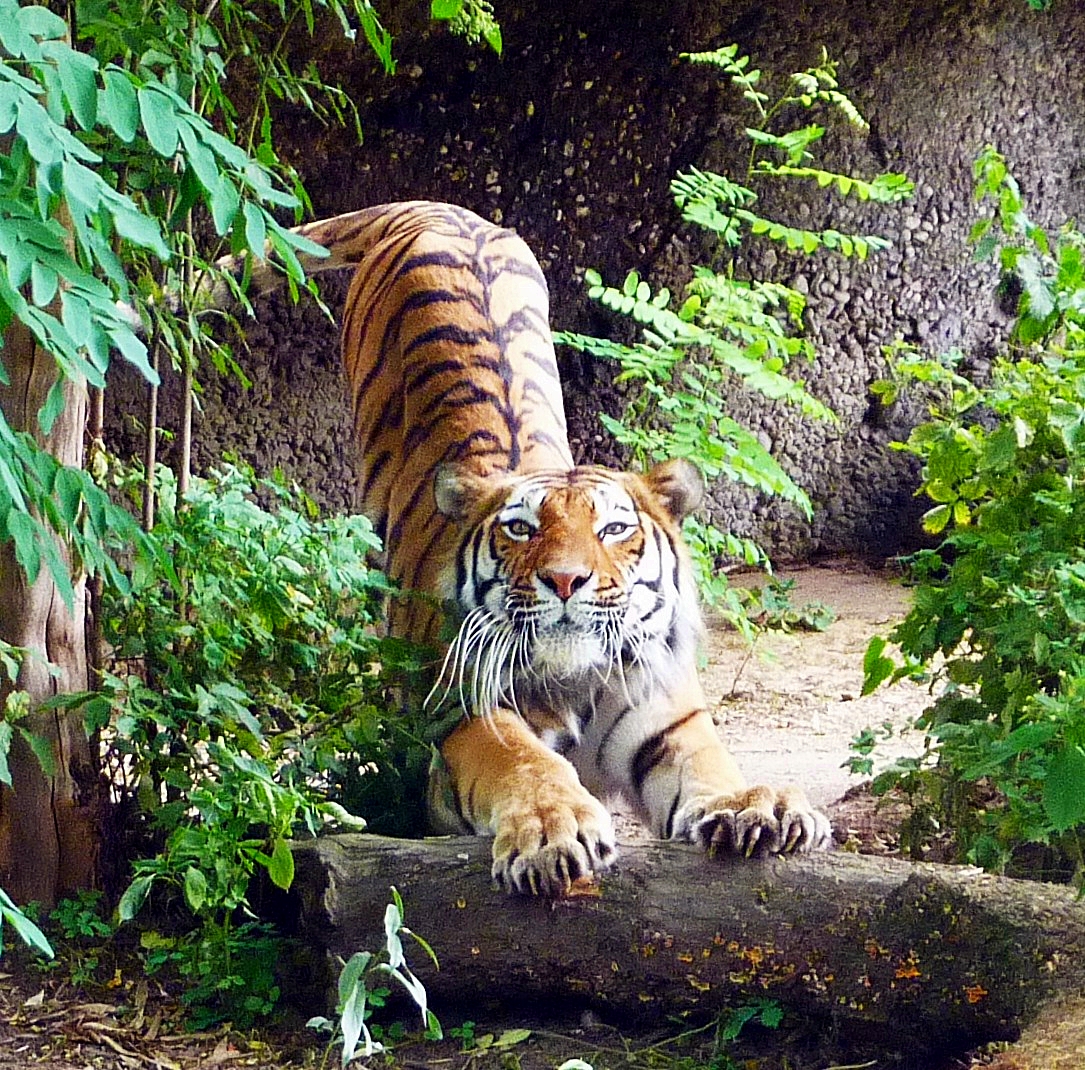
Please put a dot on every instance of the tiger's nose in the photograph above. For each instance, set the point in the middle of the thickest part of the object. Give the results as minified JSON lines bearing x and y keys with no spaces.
{"x":563,"y":584}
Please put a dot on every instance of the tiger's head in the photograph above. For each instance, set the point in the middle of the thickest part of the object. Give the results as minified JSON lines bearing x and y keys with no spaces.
{"x":564,"y":574}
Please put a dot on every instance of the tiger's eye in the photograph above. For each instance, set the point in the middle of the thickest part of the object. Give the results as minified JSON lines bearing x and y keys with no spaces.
{"x":518,"y":529}
{"x":614,"y":528}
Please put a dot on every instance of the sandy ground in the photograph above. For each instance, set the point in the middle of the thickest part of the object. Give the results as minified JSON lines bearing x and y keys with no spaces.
{"x":789,"y":711}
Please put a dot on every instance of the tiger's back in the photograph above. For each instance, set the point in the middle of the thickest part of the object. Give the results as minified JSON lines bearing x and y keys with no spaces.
{"x":448,"y":360}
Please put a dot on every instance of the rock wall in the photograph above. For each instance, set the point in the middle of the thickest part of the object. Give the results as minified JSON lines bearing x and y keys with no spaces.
{"x":573,"y":136}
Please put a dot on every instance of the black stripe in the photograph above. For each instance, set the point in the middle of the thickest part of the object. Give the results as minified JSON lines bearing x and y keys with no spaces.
{"x":447,"y":333}
{"x":470,"y":811}
{"x":430,"y":370}
{"x":600,"y":751}
{"x":668,"y":827}
{"x":652,"y":751}
{"x":439,"y":258}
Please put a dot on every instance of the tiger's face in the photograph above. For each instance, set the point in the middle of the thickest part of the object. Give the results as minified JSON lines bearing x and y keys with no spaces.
{"x":562,"y":574}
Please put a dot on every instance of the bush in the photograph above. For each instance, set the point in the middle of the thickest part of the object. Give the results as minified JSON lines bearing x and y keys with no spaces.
{"x":730,"y":333}
{"x":997,"y":623}
{"x":247,"y":695}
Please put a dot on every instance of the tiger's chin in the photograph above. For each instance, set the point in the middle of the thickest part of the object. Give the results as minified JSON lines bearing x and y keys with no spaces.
{"x":564,"y":651}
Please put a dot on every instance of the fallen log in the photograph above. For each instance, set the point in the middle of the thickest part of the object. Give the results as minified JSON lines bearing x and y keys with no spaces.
{"x":938,"y":954}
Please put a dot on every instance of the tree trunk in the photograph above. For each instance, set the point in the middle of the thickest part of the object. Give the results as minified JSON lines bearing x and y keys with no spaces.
{"x":48,"y":837}
{"x":941,"y":956}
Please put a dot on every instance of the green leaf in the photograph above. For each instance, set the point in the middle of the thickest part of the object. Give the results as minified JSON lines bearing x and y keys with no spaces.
{"x":195,"y":887}
{"x":7,"y":733}
{"x":445,"y":9}
{"x":52,"y":407}
{"x":42,"y":749}
{"x":39,"y":21}
{"x":27,"y":931}
{"x":79,"y":79}
{"x":142,"y":229}
{"x":159,"y":117}
{"x":118,"y":106}
{"x":1064,"y":789}
{"x":281,"y":867}
{"x":512,"y":1036}
{"x":255,"y":229}
{"x":877,"y":667}
{"x":134,"y":898}
{"x":936,"y":519}
{"x":43,"y":283}
{"x":23,"y":531}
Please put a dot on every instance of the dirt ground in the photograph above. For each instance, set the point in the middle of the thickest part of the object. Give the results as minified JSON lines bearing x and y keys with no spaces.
{"x":788,"y":712}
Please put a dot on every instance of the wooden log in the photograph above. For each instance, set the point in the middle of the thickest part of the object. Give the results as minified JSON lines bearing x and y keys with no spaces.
{"x":930,"y":951}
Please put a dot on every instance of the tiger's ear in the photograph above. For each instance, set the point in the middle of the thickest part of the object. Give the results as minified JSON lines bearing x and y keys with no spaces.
{"x":460,"y":492}
{"x":679,"y":484}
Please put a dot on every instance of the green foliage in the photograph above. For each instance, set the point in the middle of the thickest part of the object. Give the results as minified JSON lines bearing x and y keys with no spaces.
{"x":81,"y":918}
{"x":358,"y":993}
{"x":83,"y":937}
{"x":103,"y":154}
{"x":771,"y":608}
{"x":1000,"y":604}
{"x":471,"y":19}
{"x":24,"y":928}
{"x":475,"y":1043}
{"x":246,"y":686}
{"x":228,"y":970}
{"x":16,"y":709}
{"x":763,"y":1010}
{"x":730,"y":333}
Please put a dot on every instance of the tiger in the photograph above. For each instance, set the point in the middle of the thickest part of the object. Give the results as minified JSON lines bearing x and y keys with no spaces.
{"x":574,"y":664}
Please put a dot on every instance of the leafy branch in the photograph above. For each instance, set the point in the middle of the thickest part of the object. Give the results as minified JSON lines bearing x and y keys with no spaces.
{"x":728,"y":332}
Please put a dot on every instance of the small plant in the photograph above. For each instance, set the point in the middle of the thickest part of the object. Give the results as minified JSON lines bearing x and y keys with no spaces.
{"x":357,"y":989}
{"x":472,"y":20}
{"x":83,"y":936}
{"x":228,"y":971}
{"x":770,"y":608}
{"x":475,"y":1043}
{"x":731,"y":333}
{"x":999,"y":609}
{"x":761,"y":1010}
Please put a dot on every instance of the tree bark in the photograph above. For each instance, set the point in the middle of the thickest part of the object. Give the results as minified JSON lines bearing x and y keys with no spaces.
{"x":48,"y":841}
{"x":945,"y":957}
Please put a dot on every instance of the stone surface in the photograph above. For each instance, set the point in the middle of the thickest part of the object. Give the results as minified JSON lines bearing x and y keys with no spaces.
{"x":573,"y":136}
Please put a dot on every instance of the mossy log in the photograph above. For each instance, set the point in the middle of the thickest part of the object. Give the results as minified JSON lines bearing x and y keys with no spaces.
{"x":940,"y":954}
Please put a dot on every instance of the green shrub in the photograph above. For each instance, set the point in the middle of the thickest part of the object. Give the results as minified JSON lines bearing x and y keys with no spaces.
{"x":998,"y":622}
{"x":729,"y":332}
{"x":248,"y":695}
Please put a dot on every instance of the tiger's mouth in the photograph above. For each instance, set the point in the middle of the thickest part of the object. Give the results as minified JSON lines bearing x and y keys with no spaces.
{"x":498,"y":660}
{"x":568,"y":647}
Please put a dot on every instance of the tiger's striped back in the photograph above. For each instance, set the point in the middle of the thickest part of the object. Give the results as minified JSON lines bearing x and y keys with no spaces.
{"x":448,"y":358}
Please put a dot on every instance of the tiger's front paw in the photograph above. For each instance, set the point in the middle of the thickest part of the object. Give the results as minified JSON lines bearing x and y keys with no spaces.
{"x":758,"y":822}
{"x":542,"y":848}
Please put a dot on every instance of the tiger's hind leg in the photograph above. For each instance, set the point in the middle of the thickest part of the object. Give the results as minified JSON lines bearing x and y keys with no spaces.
{"x":548,"y":829}
{"x":689,"y":787}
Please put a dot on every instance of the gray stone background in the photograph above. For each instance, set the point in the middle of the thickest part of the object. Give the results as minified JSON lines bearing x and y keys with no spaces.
{"x":572,"y":138}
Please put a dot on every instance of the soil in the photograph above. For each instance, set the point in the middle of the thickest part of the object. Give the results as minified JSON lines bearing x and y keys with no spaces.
{"x":788,"y":712}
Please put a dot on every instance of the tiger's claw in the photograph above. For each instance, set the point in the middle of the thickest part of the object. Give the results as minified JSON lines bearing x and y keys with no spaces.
{"x":757,"y":823}
{"x":544,"y":852}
